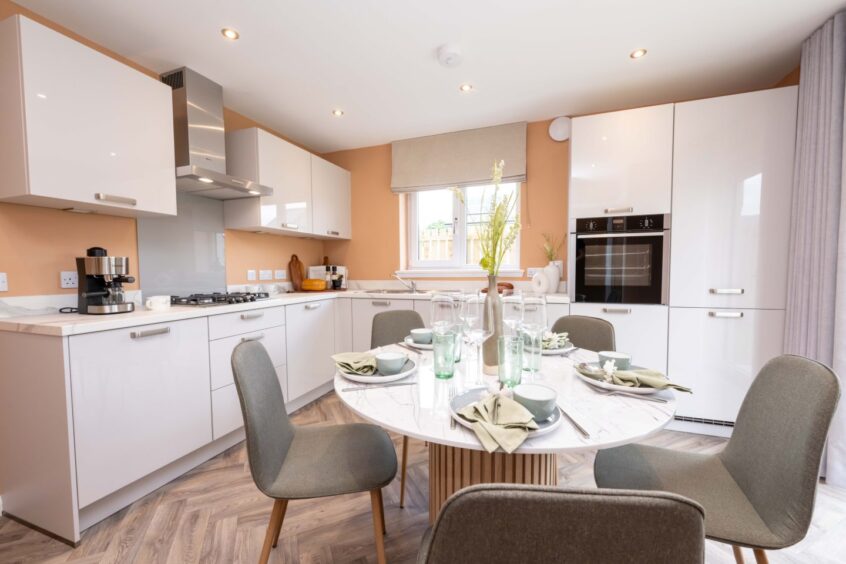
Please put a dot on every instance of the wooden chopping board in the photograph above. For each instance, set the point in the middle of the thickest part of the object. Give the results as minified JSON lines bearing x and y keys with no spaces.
{"x":296,"y":271}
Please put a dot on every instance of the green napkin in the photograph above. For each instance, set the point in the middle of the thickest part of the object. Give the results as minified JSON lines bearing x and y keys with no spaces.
{"x":640,"y":378}
{"x":553,"y":341}
{"x":363,"y":364}
{"x":509,"y":430}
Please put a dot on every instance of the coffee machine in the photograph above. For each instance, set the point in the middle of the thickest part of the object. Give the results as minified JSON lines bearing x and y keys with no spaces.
{"x":101,"y":280}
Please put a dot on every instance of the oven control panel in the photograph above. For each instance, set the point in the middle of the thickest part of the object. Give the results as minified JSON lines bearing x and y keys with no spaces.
{"x":620,"y":224}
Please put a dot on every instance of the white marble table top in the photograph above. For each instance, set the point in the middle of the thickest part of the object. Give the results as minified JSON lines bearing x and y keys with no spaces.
{"x":421,"y":410}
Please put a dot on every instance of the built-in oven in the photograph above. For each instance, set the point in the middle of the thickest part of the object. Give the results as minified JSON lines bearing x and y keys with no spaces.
{"x":622,"y":259}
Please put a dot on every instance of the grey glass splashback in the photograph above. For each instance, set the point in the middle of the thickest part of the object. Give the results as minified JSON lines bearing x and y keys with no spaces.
{"x":183,"y":254}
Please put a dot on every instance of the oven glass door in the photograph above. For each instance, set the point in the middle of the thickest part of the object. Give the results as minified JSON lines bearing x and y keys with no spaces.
{"x":621,"y":268}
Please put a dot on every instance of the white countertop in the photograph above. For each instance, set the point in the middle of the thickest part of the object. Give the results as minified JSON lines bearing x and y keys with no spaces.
{"x":64,"y":324}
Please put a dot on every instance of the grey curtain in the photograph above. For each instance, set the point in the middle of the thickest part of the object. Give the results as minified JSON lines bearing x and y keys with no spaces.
{"x":816,"y":295}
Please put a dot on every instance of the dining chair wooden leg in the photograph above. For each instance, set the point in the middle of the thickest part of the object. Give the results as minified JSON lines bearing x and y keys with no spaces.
{"x":284,"y":503}
{"x":382,"y":512}
{"x":402,"y":469}
{"x":378,"y":524}
{"x":760,"y":556}
{"x":272,"y":529}
{"x":738,"y":555}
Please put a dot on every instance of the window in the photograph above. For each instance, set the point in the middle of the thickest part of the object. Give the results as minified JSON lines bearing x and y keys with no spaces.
{"x":444,"y":227}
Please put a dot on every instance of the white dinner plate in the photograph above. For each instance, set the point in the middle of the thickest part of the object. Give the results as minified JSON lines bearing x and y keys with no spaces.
{"x":562,"y":350}
{"x":646,"y":390}
{"x":409,"y":369}
{"x":475,"y":394}
{"x":410,"y":342}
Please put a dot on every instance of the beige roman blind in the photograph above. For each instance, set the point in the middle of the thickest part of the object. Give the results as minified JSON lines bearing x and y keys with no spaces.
{"x":458,"y":159}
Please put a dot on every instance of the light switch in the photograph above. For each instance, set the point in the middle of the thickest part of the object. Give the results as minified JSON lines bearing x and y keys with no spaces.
{"x":265,"y":275}
{"x":4,"y":282}
{"x":251,"y":275}
{"x":280,"y":274}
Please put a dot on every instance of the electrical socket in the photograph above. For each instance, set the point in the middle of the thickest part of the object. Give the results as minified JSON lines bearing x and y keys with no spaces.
{"x":4,"y":282}
{"x":69,"y":279}
{"x":280,"y":274}
{"x":251,"y":275}
{"x":265,"y":275}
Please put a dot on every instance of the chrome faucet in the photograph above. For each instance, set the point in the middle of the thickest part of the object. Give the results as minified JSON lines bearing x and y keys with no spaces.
{"x":410,"y":284}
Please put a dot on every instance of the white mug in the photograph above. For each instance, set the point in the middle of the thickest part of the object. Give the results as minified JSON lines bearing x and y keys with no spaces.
{"x":157,"y":303}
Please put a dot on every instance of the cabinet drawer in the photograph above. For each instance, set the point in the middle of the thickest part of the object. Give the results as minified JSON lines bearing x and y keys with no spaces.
{"x":220,"y":351}
{"x":242,"y":322}
{"x":556,"y":311}
{"x":140,"y":401}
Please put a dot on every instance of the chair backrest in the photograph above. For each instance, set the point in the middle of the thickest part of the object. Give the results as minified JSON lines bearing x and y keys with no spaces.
{"x":591,"y":333}
{"x":775,"y":450}
{"x":507,"y":523}
{"x":391,"y":327}
{"x":269,"y":431}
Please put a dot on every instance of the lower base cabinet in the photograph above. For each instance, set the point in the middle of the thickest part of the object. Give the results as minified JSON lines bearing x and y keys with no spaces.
{"x":310,"y":342}
{"x":718,"y":353}
{"x":363,"y":312}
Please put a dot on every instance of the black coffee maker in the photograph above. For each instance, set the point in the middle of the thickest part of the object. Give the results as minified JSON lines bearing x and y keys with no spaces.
{"x":101,"y":280}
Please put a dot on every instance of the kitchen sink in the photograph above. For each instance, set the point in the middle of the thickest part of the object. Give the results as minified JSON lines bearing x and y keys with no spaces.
{"x":390,"y":291}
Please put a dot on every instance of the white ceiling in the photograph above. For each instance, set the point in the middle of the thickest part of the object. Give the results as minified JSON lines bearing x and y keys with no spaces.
{"x":528,"y":59}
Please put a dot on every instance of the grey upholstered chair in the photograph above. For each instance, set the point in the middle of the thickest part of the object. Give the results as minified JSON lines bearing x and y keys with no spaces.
{"x":591,"y":333}
{"x":293,"y":462}
{"x":759,"y":491}
{"x":507,"y":523}
{"x":388,"y":328}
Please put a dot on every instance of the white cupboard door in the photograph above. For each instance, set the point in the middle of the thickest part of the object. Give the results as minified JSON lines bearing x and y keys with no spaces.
{"x":220,"y":353}
{"x":364,"y":310}
{"x":332,"y":199}
{"x":287,"y":169}
{"x":343,"y":325}
{"x":311,"y":343}
{"x":140,"y":401}
{"x":97,"y":131}
{"x":717,"y":353}
{"x":226,"y":411}
{"x":639,"y":330}
{"x":424,"y":308}
{"x":733,"y":174}
{"x":621,"y":162}
{"x":556,"y":311}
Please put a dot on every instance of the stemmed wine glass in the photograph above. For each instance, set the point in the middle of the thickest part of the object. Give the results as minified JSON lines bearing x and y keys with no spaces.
{"x":533,"y":327}
{"x":472,"y":316}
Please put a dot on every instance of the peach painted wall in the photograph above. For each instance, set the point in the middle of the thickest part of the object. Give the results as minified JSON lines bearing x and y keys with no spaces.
{"x":37,"y":243}
{"x":374,"y":252}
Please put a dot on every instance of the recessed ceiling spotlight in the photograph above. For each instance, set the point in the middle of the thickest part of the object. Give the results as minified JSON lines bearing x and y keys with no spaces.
{"x":230,"y":33}
{"x":205,"y":180}
{"x":337,"y":112}
{"x":466,"y":87}
{"x":637,"y":53}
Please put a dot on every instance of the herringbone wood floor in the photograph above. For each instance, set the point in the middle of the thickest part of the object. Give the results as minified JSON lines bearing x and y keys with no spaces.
{"x":214,"y":514}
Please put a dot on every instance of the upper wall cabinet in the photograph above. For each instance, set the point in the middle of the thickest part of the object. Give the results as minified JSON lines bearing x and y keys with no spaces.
{"x":732,"y":186}
{"x":80,"y":129}
{"x":330,"y":185}
{"x":311,"y":197}
{"x":622,"y":162}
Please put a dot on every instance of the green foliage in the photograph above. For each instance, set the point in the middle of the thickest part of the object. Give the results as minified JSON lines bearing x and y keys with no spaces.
{"x":552,"y":245}
{"x":496,"y":236}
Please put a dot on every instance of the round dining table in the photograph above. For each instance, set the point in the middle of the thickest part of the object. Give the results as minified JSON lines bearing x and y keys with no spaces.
{"x":418,"y":407}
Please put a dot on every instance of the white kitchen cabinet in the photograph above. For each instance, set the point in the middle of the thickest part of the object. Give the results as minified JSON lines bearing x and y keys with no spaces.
{"x":226,"y":411}
{"x":140,"y":401}
{"x":364,"y":310}
{"x":242,"y":322}
{"x":621,"y":162}
{"x":732,"y":185}
{"x":556,"y":311}
{"x":343,"y":325}
{"x":717,"y":353}
{"x":424,"y":308}
{"x":639,"y":330}
{"x":271,"y":161}
{"x":332,"y":197}
{"x":311,"y":343}
{"x":220,"y":354}
{"x":80,"y":129}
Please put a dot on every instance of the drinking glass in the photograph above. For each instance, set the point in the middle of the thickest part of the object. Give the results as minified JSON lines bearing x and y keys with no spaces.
{"x":512,"y":312}
{"x":533,"y":328}
{"x":472,"y":315}
{"x":510,"y":359}
{"x":442,"y":318}
{"x":443,"y":354}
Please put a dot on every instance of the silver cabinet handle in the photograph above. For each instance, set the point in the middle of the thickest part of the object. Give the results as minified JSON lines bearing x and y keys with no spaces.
{"x":528,"y":308}
{"x":616,"y":310}
{"x":258,"y":337}
{"x":115,"y":199}
{"x":727,"y":291}
{"x":330,"y":232}
{"x":247,"y":316}
{"x":380,"y":302}
{"x":313,"y":306}
{"x":149,"y":333}
{"x":726,"y":314}
{"x":619,"y":210}
{"x":290,"y":226}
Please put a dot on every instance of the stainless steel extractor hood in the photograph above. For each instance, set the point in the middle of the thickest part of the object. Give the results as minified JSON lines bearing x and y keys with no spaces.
{"x":200,"y":140}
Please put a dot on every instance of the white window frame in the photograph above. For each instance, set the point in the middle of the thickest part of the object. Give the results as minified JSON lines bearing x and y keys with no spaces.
{"x":457,"y":266}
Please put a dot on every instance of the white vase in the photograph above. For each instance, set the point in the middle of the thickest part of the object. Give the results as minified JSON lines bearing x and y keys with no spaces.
{"x":553,"y":275}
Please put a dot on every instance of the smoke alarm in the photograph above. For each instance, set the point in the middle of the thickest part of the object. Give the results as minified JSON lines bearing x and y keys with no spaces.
{"x":449,"y":55}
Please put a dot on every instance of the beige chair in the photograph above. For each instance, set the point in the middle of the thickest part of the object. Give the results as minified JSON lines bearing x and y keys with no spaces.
{"x":388,"y":328}
{"x":507,"y":523}
{"x":590,"y":333}
{"x":759,"y":491}
{"x":293,"y":462}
